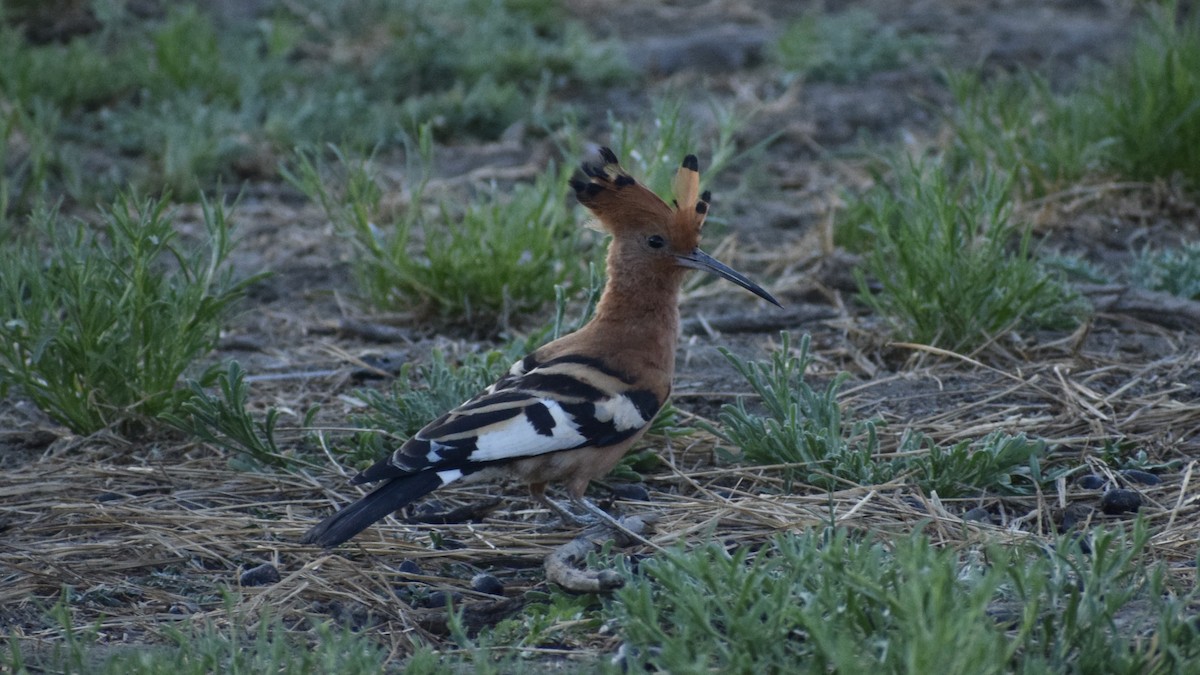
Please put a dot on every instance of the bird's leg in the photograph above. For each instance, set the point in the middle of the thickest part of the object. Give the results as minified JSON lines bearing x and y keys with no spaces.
{"x":615,"y":524}
{"x":566,"y":514}
{"x":594,"y":514}
{"x":598,"y":514}
{"x":538,"y":492}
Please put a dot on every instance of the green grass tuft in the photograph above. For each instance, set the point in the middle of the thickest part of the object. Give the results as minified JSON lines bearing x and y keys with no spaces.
{"x":98,"y":327}
{"x":226,"y":422}
{"x":268,"y":645}
{"x":485,"y":262}
{"x":845,"y":47}
{"x":1173,"y":270}
{"x":826,"y":601}
{"x":651,"y":149}
{"x":999,"y":462}
{"x":954,"y":268}
{"x":1139,"y":118}
{"x":1018,"y":124}
{"x":179,"y":101}
{"x":1149,"y":104}
{"x":802,"y":427}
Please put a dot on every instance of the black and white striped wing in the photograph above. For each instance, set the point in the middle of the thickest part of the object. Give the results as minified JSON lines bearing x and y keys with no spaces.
{"x":564,"y":404}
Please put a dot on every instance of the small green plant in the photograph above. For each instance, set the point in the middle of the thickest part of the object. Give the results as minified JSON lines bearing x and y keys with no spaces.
{"x":826,"y":601}
{"x":813,"y":602}
{"x":1149,"y":103}
{"x":1138,"y":119}
{"x":198,"y":101}
{"x":845,"y":47}
{"x":496,"y":257}
{"x":1173,"y":270}
{"x":802,"y":427}
{"x":473,"y":66}
{"x":77,"y":75}
{"x":651,"y":149}
{"x":1017,"y":123}
{"x":98,"y":329}
{"x":225,"y":421}
{"x":551,"y":617}
{"x":953,"y":266}
{"x":998,"y":462}
{"x":1074,"y":267}
{"x":1071,"y":601}
{"x":267,"y":645}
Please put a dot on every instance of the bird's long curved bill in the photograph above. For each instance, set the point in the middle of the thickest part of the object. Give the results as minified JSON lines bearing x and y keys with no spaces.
{"x":700,"y":260}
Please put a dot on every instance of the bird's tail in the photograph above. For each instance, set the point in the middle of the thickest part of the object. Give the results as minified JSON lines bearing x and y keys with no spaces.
{"x":392,"y":495}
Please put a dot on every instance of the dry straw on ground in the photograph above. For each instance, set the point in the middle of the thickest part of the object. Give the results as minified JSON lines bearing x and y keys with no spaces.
{"x":146,"y":537}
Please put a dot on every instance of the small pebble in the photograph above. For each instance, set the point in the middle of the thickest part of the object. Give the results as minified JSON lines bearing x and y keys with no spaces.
{"x":409,"y":567}
{"x":631,"y":492}
{"x":978,"y":515}
{"x":486,"y":583}
{"x":438,"y":599}
{"x":1091,"y":482}
{"x":1075,"y":514}
{"x":1116,"y":502}
{"x":260,"y":576}
{"x":1139,"y":476}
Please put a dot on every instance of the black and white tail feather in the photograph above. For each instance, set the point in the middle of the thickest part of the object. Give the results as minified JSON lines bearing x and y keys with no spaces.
{"x":567,"y":403}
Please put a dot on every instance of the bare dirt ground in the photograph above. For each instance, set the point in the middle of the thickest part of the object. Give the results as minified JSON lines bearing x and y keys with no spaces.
{"x":146,"y":533}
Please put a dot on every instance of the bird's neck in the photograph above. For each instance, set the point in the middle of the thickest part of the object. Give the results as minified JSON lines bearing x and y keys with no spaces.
{"x":639,"y":309}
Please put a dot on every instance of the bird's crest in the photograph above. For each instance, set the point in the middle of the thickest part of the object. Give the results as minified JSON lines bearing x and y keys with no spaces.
{"x":620,"y":202}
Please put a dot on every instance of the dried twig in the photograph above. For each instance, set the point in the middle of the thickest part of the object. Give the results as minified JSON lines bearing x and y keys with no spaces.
{"x":1155,"y":307}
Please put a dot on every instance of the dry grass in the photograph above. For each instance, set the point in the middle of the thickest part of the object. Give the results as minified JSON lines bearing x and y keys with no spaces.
{"x":151,"y":535}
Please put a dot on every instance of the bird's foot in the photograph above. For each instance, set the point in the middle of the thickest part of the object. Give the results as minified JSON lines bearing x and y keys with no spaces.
{"x":568,"y":516}
{"x":595,"y":517}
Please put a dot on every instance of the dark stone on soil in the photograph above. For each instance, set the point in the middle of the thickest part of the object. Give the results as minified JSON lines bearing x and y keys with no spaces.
{"x":978,"y":515}
{"x":630,"y":491}
{"x":1091,"y":482}
{"x":1139,"y":476}
{"x":1074,"y":514}
{"x":387,"y":363}
{"x":262,"y":575}
{"x":1116,"y":502}
{"x":438,"y":599}
{"x":409,"y":567}
{"x":486,"y":583}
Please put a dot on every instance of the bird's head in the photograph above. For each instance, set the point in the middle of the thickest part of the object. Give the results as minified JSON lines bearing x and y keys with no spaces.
{"x":650,"y":231}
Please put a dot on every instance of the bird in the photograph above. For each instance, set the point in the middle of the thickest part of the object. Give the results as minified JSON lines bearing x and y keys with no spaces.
{"x":568,"y":411}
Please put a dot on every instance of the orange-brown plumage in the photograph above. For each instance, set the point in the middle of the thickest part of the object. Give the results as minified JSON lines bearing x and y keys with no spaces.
{"x":568,"y":411}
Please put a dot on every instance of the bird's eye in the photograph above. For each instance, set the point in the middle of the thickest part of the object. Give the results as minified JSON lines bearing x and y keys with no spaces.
{"x":656,"y":241}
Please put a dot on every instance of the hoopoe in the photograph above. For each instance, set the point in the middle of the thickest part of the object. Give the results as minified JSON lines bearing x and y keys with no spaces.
{"x":570,"y":410}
